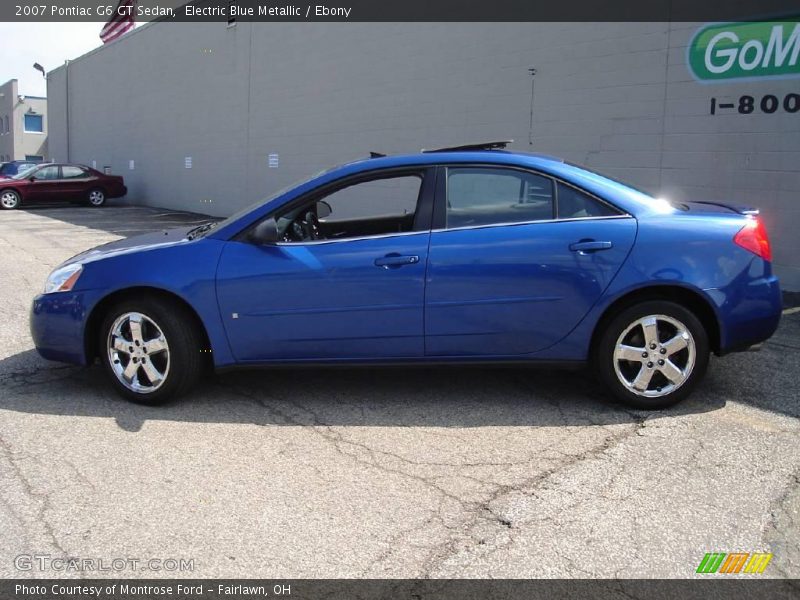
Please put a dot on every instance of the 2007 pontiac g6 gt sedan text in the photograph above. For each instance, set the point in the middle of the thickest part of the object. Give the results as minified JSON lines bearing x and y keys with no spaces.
{"x":471,"y":254}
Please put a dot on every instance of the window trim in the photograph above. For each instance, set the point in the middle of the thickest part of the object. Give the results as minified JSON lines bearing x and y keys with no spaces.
{"x":440,"y":202}
{"x":422,"y":216}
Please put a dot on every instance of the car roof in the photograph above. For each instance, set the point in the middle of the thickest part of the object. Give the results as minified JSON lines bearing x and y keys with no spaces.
{"x":627,"y":197}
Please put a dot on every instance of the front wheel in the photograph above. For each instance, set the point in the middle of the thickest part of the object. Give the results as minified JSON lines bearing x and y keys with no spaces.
{"x":9,"y":199}
{"x":150,"y":350}
{"x":653,"y":354}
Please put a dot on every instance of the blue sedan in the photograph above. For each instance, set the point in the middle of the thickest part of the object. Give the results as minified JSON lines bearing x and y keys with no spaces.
{"x":472,"y":254}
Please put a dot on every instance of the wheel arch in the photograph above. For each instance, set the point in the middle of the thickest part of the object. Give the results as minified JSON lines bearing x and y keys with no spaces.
{"x":689,"y":298}
{"x":99,"y":310}
{"x":12,"y":189}
{"x":97,"y":186}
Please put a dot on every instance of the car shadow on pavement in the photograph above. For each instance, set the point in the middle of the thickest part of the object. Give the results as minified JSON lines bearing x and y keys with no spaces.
{"x":366,"y":397}
{"x":124,"y":221}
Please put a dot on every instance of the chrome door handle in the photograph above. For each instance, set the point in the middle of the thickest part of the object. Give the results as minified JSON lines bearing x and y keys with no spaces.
{"x":395,"y":260}
{"x":587,"y":246}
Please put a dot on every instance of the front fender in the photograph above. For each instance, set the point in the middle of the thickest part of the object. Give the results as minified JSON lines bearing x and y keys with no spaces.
{"x":187,"y":271}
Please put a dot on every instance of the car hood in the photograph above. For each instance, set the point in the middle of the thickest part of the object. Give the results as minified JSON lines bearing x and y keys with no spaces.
{"x":136,"y":243}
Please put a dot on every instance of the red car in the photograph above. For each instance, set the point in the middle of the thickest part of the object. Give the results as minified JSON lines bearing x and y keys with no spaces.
{"x":52,"y":182}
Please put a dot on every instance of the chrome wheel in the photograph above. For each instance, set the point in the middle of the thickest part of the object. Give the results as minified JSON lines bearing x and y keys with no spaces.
{"x":96,"y":198}
{"x":138,"y":352}
{"x":654,"y":356}
{"x":9,"y":199}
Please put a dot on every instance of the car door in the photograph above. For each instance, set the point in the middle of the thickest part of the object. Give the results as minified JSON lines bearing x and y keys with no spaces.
{"x":44,"y":185}
{"x":355,"y":293}
{"x":509,"y":273}
{"x":74,"y":183}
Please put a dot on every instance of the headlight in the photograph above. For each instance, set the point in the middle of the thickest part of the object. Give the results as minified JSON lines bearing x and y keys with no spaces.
{"x":63,"y":278}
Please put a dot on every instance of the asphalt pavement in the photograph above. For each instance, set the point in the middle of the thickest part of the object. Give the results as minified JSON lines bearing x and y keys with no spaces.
{"x":423,"y":472}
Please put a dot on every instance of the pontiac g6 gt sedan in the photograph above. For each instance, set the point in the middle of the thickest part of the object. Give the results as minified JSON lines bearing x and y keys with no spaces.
{"x":471,"y":254}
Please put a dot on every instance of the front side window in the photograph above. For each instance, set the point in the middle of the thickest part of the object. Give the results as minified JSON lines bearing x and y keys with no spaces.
{"x":68,"y":172}
{"x":46,"y":173}
{"x":375,"y":207}
{"x":34,"y":123}
{"x":488,"y":196}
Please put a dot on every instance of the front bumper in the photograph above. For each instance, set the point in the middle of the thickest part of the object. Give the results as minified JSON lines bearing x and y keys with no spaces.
{"x":58,"y":322}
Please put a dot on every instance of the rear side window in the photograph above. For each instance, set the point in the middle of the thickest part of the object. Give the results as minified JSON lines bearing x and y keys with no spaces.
{"x":68,"y":172}
{"x":488,"y":196}
{"x":574,"y":204}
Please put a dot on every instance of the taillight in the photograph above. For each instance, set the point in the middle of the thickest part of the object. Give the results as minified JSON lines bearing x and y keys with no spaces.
{"x":753,"y":237}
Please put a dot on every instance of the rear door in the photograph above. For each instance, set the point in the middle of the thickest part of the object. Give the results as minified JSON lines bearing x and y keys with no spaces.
{"x":516,"y":260}
{"x":74,"y":182}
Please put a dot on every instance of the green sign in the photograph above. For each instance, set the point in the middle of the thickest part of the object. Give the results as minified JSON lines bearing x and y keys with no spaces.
{"x":730,"y":51}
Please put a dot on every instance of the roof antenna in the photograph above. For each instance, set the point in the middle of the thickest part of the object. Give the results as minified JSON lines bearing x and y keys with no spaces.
{"x":532,"y":71}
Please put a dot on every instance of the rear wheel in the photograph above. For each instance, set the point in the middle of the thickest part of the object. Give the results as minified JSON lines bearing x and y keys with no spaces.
{"x":150,"y":349}
{"x":96,"y":197}
{"x":9,"y":199}
{"x":653,"y":354}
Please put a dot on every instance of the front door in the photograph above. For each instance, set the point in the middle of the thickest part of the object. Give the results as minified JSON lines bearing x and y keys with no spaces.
{"x":344,"y":285}
{"x":45,"y":184}
{"x":508,"y":275}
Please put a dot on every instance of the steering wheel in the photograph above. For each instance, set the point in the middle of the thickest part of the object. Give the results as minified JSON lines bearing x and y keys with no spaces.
{"x":310,"y":224}
{"x":304,"y":228}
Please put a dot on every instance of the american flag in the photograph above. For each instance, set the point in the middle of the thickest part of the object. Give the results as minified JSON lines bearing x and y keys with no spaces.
{"x":121,"y":21}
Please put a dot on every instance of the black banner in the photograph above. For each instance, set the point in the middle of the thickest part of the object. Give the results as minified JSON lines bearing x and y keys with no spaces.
{"x":237,"y":11}
{"x":715,"y":587}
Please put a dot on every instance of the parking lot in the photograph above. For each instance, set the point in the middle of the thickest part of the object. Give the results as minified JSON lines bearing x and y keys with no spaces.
{"x":424,"y":472}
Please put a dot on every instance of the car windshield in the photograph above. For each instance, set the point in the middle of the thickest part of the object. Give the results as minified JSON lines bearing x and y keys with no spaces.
{"x":24,"y":172}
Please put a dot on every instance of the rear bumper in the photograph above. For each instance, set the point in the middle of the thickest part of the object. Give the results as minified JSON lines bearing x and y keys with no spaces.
{"x":118,"y":192}
{"x":57,"y":326}
{"x":750,"y":315}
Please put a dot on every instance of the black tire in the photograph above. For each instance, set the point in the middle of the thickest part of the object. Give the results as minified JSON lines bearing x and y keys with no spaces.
{"x":9,"y":200}
{"x":612,"y":371}
{"x":184,"y":360}
{"x":96,"y":197}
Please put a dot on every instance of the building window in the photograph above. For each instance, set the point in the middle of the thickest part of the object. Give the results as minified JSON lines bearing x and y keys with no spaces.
{"x":6,"y":129}
{"x":34,"y":157}
{"x":34,"y":123}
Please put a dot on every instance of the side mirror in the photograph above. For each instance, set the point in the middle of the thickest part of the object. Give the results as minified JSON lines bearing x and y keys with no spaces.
{"x":265,"y":232}
{"x":31,"y":178}
{"x":323,"y":209}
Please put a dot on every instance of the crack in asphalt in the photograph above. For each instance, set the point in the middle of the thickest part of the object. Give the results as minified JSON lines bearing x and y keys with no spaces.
{"x":474,"y":513}
{"x":30,"y":491}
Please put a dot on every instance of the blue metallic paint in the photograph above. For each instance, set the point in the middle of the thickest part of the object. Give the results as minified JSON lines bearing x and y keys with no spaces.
{"x":471,"y":295}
